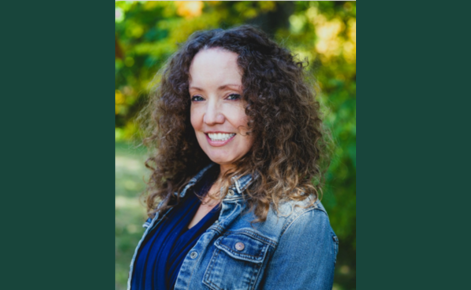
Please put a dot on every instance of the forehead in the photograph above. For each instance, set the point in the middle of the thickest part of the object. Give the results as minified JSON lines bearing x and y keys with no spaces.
{"x":215,"y":66}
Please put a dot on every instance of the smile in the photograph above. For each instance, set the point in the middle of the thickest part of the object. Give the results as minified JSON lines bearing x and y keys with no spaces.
{"x":220,"y":136}
{"x":219,"y":139}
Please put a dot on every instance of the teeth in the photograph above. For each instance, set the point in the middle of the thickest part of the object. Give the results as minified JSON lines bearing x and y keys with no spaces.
{"x":219,"y":136}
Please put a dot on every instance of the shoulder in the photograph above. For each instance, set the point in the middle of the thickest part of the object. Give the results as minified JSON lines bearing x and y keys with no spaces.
{"x":307,"y":230}
{"x":306,"y":251}
{"x":300,"y":214}
{"x":292,"y":220}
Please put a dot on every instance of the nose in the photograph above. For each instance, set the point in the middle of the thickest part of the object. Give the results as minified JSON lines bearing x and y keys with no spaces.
{"x":213,"y":114}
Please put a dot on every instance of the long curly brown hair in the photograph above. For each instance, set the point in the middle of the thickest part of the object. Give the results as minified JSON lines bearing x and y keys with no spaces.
{"x":289,"y":153}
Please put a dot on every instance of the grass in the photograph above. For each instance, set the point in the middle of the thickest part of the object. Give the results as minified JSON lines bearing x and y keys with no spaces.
{"x":130,"y":174}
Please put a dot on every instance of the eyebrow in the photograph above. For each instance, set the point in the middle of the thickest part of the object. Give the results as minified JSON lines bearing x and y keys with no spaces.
{"x":219,"y":88}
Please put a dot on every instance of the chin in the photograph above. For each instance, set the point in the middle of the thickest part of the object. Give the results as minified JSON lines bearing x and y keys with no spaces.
{"x":221,"y":160}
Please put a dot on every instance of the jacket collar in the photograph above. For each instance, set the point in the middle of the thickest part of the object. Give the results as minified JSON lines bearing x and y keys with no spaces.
{"x":236,"y":189}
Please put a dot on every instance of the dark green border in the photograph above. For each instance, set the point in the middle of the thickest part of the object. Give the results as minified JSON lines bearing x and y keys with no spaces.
{"x":57,"y":145}
{"x":413,"y":146}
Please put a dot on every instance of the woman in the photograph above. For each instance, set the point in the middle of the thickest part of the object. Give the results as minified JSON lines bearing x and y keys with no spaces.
{"x":237,"y":172}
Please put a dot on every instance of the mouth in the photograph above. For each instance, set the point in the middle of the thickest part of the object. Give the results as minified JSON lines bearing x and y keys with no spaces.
{"x":219,"y":139}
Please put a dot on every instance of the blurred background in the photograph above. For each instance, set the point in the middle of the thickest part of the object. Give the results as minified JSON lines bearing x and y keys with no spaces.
{"x":147,"y":33}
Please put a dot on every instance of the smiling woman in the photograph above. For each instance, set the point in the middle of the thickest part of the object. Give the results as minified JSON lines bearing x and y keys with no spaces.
{"x":217,"y":110}
{"x":233,"y":197}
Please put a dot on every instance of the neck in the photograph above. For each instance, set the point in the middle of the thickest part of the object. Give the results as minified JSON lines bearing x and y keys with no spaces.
{"x":223,"y":168}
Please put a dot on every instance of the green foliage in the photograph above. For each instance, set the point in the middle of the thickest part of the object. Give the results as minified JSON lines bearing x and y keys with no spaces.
{"x":323,"y":33}
{"x":129,"y":213}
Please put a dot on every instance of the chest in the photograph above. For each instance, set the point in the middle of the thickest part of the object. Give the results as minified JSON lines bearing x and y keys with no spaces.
{"x":232,"y":260}
{"x":231,"y":254}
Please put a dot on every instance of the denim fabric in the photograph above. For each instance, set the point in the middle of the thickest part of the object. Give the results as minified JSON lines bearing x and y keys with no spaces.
{"x":293,"y":249}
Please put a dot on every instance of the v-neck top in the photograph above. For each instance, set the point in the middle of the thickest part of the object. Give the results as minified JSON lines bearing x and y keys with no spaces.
{"x":166,"y":246}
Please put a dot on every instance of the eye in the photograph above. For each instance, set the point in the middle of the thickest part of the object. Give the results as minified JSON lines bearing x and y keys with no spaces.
{"x":197,"y":99}
{"x":233,"y":97}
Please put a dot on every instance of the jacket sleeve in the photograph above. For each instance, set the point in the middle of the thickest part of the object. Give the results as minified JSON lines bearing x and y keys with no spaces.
{"x":305,"y":256}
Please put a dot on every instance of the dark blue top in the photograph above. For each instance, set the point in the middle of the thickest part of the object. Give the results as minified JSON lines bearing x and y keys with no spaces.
{"x":162,"y":253}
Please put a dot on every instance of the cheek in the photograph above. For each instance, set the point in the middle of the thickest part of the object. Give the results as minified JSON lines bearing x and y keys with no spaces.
{"x":241,"y":120}
{"x":194,"y":119}
{"x":248,"y":142}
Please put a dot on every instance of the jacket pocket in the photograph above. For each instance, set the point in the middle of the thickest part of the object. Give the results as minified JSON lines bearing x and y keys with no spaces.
{"x":236,"y":262}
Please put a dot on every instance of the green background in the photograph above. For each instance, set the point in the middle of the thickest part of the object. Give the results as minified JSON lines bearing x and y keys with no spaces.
{"x":324,"y":33}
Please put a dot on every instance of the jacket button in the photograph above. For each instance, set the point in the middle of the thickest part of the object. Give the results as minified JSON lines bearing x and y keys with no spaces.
{"x":230,"y":192}
{"x":239,"y":246}
{"x":193,"y":255}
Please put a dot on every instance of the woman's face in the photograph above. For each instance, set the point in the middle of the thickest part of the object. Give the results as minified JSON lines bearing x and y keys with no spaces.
{"x":217,"y":110}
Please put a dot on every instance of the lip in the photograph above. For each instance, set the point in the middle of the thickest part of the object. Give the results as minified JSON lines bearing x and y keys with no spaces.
{"x":218,"y":143}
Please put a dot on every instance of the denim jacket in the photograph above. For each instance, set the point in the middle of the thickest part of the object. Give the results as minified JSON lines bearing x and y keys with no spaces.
{"x":295,"y":248}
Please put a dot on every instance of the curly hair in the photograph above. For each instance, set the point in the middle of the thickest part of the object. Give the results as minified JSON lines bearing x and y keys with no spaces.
{"x":289,"y":153}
